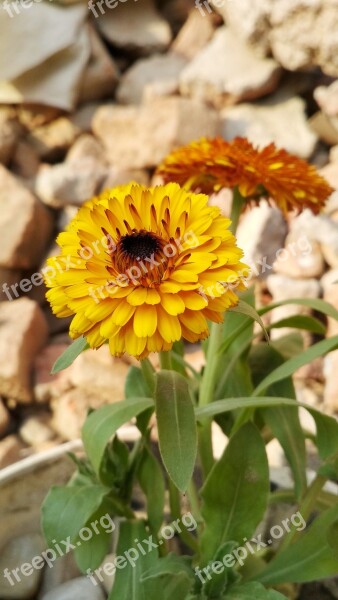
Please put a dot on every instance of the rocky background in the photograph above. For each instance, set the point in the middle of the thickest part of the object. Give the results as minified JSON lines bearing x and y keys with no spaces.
{"x":93,"y":100}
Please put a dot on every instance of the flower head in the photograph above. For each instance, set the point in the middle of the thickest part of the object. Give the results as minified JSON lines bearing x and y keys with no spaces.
{"x":145,"y":267}
{"x":209,"y":165}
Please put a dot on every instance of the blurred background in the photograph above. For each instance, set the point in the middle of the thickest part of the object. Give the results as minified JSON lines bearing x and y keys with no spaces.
{"x":95,"y":94}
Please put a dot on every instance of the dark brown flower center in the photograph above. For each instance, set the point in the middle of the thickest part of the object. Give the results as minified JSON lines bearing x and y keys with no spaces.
{"x":139,"y":245}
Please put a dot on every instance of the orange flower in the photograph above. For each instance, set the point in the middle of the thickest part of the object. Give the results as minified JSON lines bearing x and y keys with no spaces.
{"x":209,"y":165}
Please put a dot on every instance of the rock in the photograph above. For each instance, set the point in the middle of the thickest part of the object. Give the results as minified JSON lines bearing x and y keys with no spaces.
{"x":108,"y":580}
{"x":64,"y":569}
{"x":23,"y":220}
{"x":118,"y":176}
{"x":101,"y":74}
{"x":283,"y":123}
{"x":47,"y":386}
{"x":329,"y":284}
{"x":20,"y":552}
{"x":334,"y":156}
{"x":249,"y":19}
{"x":66,"y":215}
{"x":261,"y":234}
{"x":11,"y":450}
{"x":325,"y":127}
{"x":331,"y":384}
{"x":98,"y":369}
{"x":81,"y":587}
{"x":83,"y":116}
{"x":51,"y":141}
{"x":151,"y":77}
{"x":330,"y":172}
{"x":100,"y":380}
{"x":86,"y":146}
{"x":23,"y":332}
{"x":322,"y":229}
{"x":303,"y":34}
{"x":299,"y":258}
{"x":25,"y":161}
{"x":36,"y":115}
{"x":8,"y":277}
{"x":226,"y":72}
{"x":281,"y":288}
{"x":72,"y":182}
{"x":134,"y":26}
{"x":158,"y":127}
{"x":4,"y":419}
{"x":35,"y":430}
{"x":10,"y":131}
{"x":194,"y":35}
{"x":327,"y":98}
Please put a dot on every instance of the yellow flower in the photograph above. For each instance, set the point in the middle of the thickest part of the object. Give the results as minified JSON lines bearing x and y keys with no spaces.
{"x":209,"y":165}
{"x":142,"y":268}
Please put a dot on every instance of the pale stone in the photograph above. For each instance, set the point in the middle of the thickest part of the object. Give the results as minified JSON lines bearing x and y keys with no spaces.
{"x":35,"y":431}
{"x":11,"y":450}
{"x":23,"y":220}
{"x":47,"y":386}
{"x":322,"y":229}
{"x":139,"y":137}
{"x":101,"y":73}
{"x":196,"y":32}
{"x":283,"y":123}
{"x":303,"y":34}
{"x":118,"y":176}
{"x":72,"y":182}
{"x":19,"y":551}
{"x":86,"y":146}
{"x":8,"y":277}
{"x":98,"y":369}
{"x":108,"y":580}
{"x":10,"y":131}
{"x":134,"y":26}
{"x":329,"y":283}
{"x":299,"y":258}
{"x":83,"y":116}
{"x":261,"y":234}
{"x":327,"y":98}
{"x":331,"y":384}
{"x":226,"y":71}
{"x":81,"y":587}
{"x":4,"y":419}
{"x":23,"y":332}
{"x":52,"y":141}
{"x":325,"y":127}
{"x":150,"y":77}
{"x":64,"y":569}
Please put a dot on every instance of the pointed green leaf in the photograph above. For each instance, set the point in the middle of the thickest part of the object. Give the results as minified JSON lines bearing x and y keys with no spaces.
{"x":176,"y":426}
{"x":151,"y":481}
{"x":241,"y":473}
{"x":246,"y":309}
{"x":309,"y":558}
{"x":304,"y":322}
{"x":102,"y":424}
{"x":314,"y":303}
{"x":69,"y":355}
{"x":291,"y":365}
{"x":252,"y":591}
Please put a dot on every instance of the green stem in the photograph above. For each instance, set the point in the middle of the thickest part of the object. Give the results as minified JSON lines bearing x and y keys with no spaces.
{"x":148,"y":374}
{"x":236,"y":209}
{"x":194,"y":501}
{"x":175,"y":509}
{"x":165,"y":360}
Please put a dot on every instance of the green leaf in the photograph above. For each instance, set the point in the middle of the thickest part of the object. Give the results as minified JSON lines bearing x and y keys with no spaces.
{"x":128,"y":581}
{"x":228,"y":404}
{"x":221,"y":575}
{"x":246,"y":309}
{"x":314,"y":303}
{"x":69,"y":355}
{"x":168,"y":586}
{"x":176,"y":427}
{"x":309,"y":558}
{"x":291,"y":365}
{"x":327,"y":433}
{"x":89,"y":554}
{"x":170,"y":565}
{"x":252,"y":591}
{"x":289,"y":345}
{"x":151,"y":481}
{"x":304,"y":322}
{"x":66,"y":510}
{"x":103,"y":423}
{"x":241,"y":473}
{"x":135,"y":386}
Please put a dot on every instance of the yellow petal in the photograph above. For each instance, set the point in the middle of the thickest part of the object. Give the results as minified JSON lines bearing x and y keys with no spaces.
{"x":122,"y":313}
{"x":172,"y":304}
{"x":168,"y":326}
{"x":145,"y":320}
